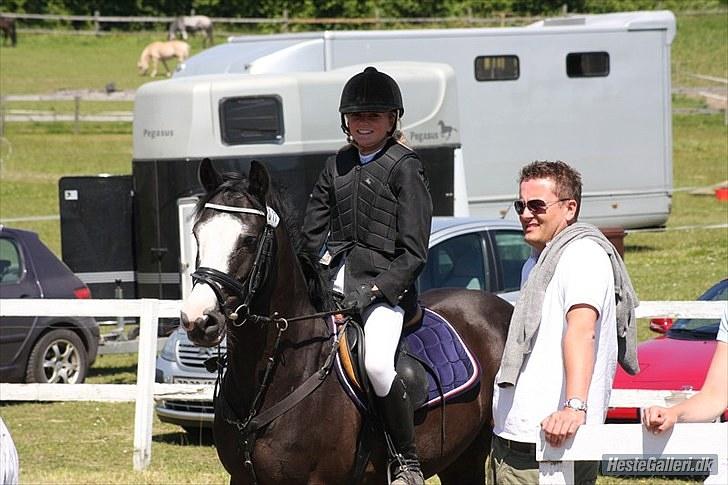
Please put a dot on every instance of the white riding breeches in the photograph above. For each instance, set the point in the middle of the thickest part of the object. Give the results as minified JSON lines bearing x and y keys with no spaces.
{"x":382,"y":329}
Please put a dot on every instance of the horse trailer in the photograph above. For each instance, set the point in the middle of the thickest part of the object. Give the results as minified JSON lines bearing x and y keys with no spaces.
{"x":479,"y":104}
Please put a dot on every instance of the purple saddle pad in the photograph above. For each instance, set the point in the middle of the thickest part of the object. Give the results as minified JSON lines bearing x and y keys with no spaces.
{"x":436,"y":343}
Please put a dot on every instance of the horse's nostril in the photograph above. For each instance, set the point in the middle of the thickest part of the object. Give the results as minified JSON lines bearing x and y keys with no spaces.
{"x":185,"y":321}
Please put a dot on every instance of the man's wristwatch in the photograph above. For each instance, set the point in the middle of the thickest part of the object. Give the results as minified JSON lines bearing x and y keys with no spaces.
{"x":575,"y":403}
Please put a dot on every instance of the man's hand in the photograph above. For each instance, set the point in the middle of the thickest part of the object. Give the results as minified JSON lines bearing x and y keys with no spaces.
{"x":359,"y":298}
{"x":562,"y":425}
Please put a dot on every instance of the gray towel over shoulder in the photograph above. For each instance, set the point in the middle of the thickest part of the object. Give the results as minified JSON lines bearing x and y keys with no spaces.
{"x":527,"y":313}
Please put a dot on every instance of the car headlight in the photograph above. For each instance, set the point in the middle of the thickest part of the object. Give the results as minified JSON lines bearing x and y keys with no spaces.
{"x":169,"y":351}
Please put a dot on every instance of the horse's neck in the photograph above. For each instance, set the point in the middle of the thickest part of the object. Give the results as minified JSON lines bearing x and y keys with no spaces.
{"x":289,"y":291}
{"x":304,"y":344}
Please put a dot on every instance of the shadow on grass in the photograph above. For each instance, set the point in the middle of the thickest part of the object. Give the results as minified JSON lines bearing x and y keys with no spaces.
{"x":111,"y":371}
{"x":198,"y":437}
{"x":636,"y":248}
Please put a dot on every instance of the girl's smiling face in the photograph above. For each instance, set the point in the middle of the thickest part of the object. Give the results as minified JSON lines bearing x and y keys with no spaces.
{"x":370,"y":129}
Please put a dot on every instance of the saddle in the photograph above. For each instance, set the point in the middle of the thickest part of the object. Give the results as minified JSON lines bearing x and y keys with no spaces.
{"x":433,"y":360}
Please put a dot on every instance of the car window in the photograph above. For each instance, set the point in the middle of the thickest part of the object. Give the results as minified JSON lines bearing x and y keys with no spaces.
{"x":700,"y":328}
{"x":511,"y":251}
{"x":457,"y":262}
{"x":10,"y":267}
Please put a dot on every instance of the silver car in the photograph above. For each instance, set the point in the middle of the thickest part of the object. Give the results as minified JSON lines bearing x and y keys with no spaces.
{"x":478,"y":254}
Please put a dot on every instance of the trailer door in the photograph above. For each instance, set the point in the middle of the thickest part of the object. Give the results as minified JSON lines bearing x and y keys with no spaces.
{"x":97,"y":232}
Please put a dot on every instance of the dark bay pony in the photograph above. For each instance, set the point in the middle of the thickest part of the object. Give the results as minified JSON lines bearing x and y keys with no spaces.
{"x":7,"y":25}
{"x":256,"y":291}
{"x":192,"y":23}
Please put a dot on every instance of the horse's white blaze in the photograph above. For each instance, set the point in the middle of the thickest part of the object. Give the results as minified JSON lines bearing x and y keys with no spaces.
{"x":216,"y":239}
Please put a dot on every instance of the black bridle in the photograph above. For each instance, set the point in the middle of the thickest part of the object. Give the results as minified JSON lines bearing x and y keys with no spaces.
{"x":245,"y":291}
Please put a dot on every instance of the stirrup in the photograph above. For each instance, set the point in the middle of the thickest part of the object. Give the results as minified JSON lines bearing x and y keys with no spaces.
{"x":406,"y":472}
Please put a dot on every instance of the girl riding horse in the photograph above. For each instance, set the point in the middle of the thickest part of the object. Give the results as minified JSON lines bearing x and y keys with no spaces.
{"x":372,"y":210}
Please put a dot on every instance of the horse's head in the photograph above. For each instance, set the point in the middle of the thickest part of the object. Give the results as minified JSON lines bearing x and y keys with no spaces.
{"x":143,"y":63}
{"x":234,"y":232}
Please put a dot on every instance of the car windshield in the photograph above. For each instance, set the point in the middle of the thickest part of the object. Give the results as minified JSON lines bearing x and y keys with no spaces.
{"x":701,"y":328}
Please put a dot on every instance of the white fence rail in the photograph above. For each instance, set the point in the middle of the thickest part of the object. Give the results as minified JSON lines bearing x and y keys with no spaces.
{"x":143,"y":392}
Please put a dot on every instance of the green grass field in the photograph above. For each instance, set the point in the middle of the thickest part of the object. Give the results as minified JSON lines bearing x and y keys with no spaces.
{"x":92,"y":442}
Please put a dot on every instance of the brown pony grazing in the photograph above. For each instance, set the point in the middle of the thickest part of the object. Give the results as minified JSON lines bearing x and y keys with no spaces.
{"x":280,"y":417}
{"x":7,"y":25}
{"x":161,"y":51}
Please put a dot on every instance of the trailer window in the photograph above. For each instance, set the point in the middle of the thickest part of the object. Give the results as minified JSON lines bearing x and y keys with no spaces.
{"x":497,"y":68}
{"x":587,"y":64}
{"x":251,"y":119}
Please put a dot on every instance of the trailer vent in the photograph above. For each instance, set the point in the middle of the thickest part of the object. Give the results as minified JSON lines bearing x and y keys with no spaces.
{"x":251,"y":119}
{"x":587,"y":64}
{"x":497,"y":68}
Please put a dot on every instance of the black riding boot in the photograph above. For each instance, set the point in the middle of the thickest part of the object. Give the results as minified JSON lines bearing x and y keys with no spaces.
{"x":398,"y":415}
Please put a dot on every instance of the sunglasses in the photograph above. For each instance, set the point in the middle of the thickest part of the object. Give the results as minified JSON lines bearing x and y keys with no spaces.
{"x":535,"y":206}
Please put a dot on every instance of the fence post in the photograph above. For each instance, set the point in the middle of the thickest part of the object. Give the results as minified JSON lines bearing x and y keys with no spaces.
{"x":119,"y":295}
{"x":144,"y":410}
{"x":97,"y":22}
{"x":76,"y":113}
{"x":2,"y":116}
{"x":285,"y":20}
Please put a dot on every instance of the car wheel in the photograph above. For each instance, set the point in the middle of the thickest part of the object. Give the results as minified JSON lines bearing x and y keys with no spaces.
{"x":58,"y":357}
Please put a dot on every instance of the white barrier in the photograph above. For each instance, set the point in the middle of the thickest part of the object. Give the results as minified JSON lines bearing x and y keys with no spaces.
{"x":149,"y":311}
{"x":592,"y":442}
{"x":145,"y":389}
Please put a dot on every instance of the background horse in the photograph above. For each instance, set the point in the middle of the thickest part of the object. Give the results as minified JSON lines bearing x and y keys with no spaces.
{"x":7,"y":25}
{"x":194,"y":23}
{"x":161,"y":51}
{"x":247,"y":283}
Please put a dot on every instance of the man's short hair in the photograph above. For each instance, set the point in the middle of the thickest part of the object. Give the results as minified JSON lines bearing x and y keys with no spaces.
{"x":566,"y":180}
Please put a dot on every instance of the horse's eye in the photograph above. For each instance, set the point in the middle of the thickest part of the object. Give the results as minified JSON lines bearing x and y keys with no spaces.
{"x":250,"y":242}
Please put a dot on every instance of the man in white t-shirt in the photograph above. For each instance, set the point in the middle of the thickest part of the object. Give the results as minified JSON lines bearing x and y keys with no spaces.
{"x":559,"y":376}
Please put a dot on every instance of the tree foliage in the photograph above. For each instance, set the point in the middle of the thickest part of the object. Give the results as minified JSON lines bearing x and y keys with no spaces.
{"x":345,"y":8}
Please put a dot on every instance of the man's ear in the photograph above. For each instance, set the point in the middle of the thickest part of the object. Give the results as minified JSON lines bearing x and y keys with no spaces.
{"x":571,"y":205}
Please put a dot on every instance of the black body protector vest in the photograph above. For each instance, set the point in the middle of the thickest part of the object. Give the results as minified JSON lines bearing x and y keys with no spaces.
{"x":365,"y":212}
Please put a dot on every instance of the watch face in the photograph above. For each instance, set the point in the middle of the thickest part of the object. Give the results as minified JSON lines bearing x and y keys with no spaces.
{"x":576,"y":403}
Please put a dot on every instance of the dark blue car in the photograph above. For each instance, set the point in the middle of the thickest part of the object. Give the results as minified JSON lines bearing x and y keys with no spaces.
{"x":42,"y":349}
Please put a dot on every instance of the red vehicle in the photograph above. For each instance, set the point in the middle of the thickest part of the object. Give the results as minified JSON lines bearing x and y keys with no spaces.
{"x":677,"y":360}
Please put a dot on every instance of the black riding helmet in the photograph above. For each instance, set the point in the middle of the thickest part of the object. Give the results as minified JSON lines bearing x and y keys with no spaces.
{"x":370,"y":91}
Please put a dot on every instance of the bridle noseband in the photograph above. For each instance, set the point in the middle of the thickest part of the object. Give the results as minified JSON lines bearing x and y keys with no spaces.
{"x":245,"y":291}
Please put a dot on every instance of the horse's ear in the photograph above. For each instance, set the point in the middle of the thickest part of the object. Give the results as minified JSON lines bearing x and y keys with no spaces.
{"x":259,"y":180}
{"x":209,"y":178}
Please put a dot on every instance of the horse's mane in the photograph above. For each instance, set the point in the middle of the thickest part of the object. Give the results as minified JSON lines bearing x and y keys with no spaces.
{"x":313,"y":273}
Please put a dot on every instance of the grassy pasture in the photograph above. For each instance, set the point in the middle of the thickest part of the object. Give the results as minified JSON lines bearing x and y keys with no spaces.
{"x":92,"y":442}
{"x":46,"y":63}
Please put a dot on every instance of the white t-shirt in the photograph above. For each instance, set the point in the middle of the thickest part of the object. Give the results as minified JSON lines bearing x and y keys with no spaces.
{"x":583,"y":276}
{"x":723,"y":329}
